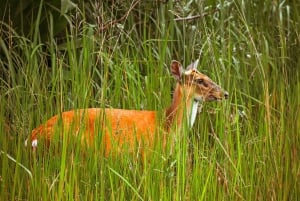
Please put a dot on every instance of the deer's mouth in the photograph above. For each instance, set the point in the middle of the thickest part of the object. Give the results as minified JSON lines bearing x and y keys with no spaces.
{"x":218,"y":97}
{"x":213,"y":98}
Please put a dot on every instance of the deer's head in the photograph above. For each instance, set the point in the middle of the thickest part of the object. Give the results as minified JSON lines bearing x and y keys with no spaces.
{"x":196,"y":84}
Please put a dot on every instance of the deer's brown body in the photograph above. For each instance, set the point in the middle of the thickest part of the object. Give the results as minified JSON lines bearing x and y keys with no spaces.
{"x":132,"y":127}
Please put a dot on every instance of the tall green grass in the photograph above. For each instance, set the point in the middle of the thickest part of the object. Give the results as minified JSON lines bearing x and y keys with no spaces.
{"x":245,"y":148}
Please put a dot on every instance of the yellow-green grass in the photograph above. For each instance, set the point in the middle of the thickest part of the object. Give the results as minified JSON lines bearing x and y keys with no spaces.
{"x":245,"y":148}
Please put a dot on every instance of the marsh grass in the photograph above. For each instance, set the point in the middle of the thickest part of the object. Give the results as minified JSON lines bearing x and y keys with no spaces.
{"x":246,"y":148}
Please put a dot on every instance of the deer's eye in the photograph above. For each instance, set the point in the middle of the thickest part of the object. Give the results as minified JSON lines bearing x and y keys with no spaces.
{"x":200,"y":81}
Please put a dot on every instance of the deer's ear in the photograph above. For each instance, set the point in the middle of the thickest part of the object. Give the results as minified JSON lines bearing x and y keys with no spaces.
{"x":176,"y":69}
{"x":193,"y":65}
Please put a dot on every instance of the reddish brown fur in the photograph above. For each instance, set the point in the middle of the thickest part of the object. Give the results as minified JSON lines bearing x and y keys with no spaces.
{"x":132,"y":127}
{"x":115,"y":124}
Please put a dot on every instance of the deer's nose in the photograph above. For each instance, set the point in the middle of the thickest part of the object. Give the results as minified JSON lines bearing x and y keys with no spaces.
{"x":226,"y":95}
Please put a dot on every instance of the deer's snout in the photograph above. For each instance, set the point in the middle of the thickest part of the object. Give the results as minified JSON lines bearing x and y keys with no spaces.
{"x":226,"y":95}
{"x":216,"y":94}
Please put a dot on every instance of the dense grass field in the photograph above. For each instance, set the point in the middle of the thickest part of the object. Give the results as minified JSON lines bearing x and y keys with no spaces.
{"x":244,"y":148}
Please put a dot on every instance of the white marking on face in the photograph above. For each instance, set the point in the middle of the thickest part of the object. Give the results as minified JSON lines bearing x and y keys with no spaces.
{"x":187,"y":72}
{"x":34,"y":143}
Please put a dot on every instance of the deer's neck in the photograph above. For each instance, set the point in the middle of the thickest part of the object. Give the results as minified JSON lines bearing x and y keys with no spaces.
{"x":183,"y":107}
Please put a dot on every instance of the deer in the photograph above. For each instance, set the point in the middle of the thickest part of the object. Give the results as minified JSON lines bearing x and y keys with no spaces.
{"x":136,"y":127}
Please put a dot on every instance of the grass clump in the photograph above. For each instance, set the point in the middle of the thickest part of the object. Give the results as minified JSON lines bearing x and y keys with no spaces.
{"x":246,"y":148}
